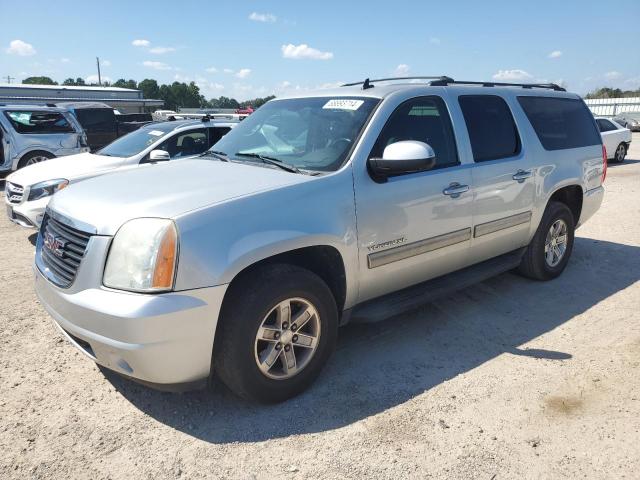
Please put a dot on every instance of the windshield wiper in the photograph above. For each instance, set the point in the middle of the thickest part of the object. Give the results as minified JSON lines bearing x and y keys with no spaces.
{"x":270,"y":161}
{"x":216,"y":154}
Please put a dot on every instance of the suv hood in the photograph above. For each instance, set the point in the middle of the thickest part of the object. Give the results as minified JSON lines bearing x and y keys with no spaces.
{"x":163,"y":190}
{"x":71,"y":167}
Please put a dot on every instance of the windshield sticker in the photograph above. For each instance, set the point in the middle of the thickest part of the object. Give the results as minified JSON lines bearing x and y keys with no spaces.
{"x":343,"y":104}
{"x":156,"y":133}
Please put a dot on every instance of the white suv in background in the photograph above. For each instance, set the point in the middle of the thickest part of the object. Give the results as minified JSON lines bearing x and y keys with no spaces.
{"x":29,"y":190}
{"x":615,"y":137}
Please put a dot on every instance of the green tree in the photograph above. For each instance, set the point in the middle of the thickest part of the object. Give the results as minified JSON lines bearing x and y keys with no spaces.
{"x":149,"y":88}
{"x":39,"y":81}
{"x":74,"y":83}
{"x":122,"y":83}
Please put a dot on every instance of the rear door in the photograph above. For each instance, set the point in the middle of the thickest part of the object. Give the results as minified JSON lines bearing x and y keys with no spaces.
{"x":502,"y":177}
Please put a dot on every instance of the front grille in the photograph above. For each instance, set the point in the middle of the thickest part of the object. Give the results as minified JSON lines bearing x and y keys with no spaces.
{"x":62,"y":250}
{"x":14,"y":192}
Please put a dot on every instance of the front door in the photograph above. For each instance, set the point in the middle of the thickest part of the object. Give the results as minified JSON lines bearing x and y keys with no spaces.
{"x":417,"y":226}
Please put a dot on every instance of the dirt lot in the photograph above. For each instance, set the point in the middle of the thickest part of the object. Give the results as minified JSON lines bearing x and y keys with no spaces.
{"x":507,"y":379}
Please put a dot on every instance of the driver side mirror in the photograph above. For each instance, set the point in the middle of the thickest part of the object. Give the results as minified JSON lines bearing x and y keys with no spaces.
{"x":400,"y":158}
{"x":159,"y":156}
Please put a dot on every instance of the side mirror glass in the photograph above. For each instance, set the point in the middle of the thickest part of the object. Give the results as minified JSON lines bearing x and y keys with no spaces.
{"x":159,"y":156}
{"x":400,"y":158}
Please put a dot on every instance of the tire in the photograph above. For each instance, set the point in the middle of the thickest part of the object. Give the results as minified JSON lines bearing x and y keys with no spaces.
{"x":620,"y":153}
{"x":535,"y":262}
{"x":32,"y":158}
{"x":252,"y":301}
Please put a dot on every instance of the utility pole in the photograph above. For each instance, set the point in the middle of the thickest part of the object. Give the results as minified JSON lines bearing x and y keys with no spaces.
{"x":99,"y":78}
{"x":9,"y":78}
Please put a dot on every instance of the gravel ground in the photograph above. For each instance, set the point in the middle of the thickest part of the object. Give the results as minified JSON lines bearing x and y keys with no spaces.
{"x":507,"y":379}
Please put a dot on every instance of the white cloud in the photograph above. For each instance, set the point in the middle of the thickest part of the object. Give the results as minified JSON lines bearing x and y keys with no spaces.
{"x":105,"y":63}
{"x":613,"y":75}
{"x":94,"y":79}
{"x":303,"y":50}
{"x":64,"y":60}
{"x":141,"y":43}
{"x":162,"y":50}
{"x":156,"y":65}
{"x":211,"y":69}
{"x":18,"y":47}
{"x":401,"y":70}
{"x":555,"y":54}
{"x":512,"y":75}
{"x":227,"y":70}
{"x":243,"y":73}
{"x":263,"y":17}
{"x":435,"y":41}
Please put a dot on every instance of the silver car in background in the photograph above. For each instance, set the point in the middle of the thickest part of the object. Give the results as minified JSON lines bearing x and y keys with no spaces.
{"x":31,"y":134}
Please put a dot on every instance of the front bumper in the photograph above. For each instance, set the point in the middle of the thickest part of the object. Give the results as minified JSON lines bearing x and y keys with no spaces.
{"x":162,"y":340}
{"x":27,"y":214}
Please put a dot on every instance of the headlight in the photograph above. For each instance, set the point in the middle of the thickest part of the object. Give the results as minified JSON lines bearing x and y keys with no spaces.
{"x":46,"y":189}
{"x":142,"y":257}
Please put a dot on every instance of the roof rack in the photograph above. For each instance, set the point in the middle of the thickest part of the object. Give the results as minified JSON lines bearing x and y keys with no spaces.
{"x":443,"y":81}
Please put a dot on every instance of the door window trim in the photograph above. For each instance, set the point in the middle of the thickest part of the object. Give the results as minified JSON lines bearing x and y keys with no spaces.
{"x":451,"y":128}
{"x":491,"y":161}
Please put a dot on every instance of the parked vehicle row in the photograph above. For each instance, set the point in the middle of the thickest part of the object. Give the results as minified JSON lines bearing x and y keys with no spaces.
{"x":29,"y":189}
{"x":351,"y":204}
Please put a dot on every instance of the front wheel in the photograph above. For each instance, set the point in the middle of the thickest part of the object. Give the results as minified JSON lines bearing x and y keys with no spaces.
{"x":277,"y":329}
{"x":548,"y":253}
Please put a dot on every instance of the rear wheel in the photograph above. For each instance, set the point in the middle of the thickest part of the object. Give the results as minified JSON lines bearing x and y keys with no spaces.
{"x":277,"y":329}
{"x":32,"y":158}
{"x":621,"y":153}
{"x":549,"y":251}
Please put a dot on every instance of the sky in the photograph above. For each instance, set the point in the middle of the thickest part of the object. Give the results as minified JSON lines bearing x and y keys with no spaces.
{"x":245,"y":49}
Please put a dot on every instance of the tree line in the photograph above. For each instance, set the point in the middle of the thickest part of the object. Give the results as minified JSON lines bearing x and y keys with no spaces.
{"x":175,"y":95}
{"x":606,"y":92}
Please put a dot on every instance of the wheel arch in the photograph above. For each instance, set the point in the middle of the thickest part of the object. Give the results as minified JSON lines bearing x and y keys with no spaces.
{"x":23,"y":155}
{"x":572,"y":197}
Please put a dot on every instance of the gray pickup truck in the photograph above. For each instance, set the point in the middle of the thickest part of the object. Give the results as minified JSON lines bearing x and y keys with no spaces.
{"x":352,"y":204}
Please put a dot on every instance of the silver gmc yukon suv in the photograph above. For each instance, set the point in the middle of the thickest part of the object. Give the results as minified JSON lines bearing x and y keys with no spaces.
{"x":351,"y":204}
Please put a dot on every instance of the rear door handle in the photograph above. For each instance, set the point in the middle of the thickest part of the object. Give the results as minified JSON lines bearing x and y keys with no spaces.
{"x":521,"y":175}
{"x":455,"y":189}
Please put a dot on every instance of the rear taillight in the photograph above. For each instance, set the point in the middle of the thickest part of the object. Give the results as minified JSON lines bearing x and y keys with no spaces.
{"x":604,"y":163}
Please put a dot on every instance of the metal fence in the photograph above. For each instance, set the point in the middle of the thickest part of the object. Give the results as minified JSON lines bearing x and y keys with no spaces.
{"x":610,"y":107}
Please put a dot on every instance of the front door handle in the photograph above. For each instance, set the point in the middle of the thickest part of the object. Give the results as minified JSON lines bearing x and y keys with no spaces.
{"x":521,"y":175}
{"x":454,"y":190}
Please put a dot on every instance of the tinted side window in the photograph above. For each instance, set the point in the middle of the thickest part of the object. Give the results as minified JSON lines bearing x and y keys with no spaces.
{"x":561,"y":123}
{"x":606,"y":125}
{"x":216,"y":133}
{"x":425,"y":119}
{"x":39,"y":122}
{"x":185,"y":144}
{"x":491,"y":128}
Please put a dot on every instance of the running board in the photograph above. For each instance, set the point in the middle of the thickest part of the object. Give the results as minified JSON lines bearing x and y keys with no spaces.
{"x":415,"y":296}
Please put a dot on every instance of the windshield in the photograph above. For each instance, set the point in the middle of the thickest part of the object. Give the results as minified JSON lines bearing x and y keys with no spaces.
{"x":136,"y":141}
{"x":308,"y":133}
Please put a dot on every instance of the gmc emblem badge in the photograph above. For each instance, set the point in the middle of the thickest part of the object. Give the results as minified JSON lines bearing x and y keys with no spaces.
{"x":54,"y":244}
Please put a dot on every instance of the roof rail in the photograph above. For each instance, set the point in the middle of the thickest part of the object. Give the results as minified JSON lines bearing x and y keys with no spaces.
{"x":367,"y":83}
{"x":443,"y":81}
{"x":450,"y":81}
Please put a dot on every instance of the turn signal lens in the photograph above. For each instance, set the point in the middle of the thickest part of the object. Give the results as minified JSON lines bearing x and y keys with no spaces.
{"x":165,"y":261}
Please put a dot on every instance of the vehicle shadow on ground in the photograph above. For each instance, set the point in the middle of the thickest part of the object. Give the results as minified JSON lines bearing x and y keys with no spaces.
{"x":379,"y":366}
{"x":627,"y":161}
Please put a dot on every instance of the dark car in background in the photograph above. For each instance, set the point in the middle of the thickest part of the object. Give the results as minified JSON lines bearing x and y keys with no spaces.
{"x":101,"y":123}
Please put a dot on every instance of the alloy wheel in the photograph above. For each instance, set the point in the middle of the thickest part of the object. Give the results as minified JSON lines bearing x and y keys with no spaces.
{"x":555,"y":244}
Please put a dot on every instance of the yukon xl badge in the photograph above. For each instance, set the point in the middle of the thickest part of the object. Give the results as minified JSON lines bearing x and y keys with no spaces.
{"x":54,"y":244}
{"x":390,"y":243}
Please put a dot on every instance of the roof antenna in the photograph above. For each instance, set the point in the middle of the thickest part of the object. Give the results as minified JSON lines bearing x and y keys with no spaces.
{"x":366,"y":84}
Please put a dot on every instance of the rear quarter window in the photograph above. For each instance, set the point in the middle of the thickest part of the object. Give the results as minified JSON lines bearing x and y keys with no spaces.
{"x":38,"y":122}
{"x":561,"y":123}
